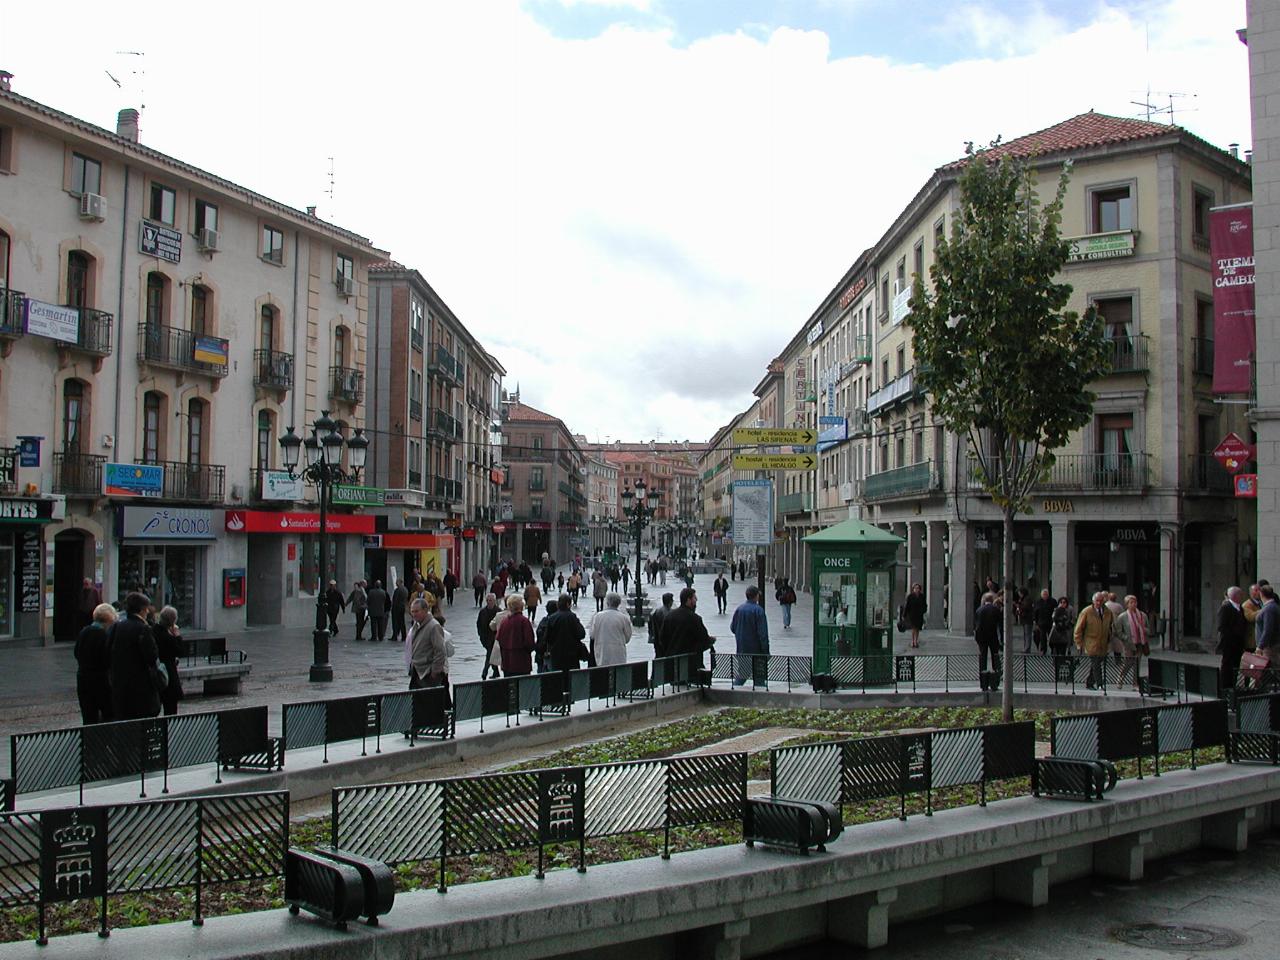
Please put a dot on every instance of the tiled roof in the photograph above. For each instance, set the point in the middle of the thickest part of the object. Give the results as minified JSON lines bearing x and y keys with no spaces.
{"x":1078,"y":133}
{"x":385,"y":265}
{"x":522,"y":411}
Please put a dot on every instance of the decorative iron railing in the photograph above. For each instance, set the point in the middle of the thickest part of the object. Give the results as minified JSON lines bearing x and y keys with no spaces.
{"x":78,"y":474}
{"x":196,"y":482}
{"x":273,"y":369}
{"x":183,"y":349}
{"x":1144,"y":732}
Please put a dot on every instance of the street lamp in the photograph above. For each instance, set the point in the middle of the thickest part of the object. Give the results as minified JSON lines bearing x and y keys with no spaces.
{"x":639,"y":506}
{"x":323,"y":470}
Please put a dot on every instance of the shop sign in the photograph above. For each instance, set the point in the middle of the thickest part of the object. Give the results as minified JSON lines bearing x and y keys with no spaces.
{"x":1131,"y":535}
{"x":278,"y":485}
{"x":8,"y":466}
{"x":1057,"y":506}
{"x":132,"y":480}
{"x":159,"y":242}
{"x":1233,"y":453}
{"x":404,"y":498}
{"x":501,"y":527}
{"x":900,"y":306}
{"x":52,"y":321}
{"x":371,"y":541}
{"x":267,"y":521}
{"x":29,"y":451}
{"x":468,"y":533}
{"x":851,"y":294}
{"x":165,"y":523}
{"x":1234,"y":321}
{"x":1101,"y":246}
{"x":211,"y":350}
{"x":497,"y":475}
{"x":24,"y":510}
{"x":506,"y":511}
{"x":29,"y":565}
{"x":814,"y":333}
{"x":537,"y":525}
{"x":349,"y":495}
{"x":1246,"y":484}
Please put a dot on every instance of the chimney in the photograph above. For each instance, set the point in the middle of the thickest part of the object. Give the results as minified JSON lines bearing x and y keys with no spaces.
{"x":1248,"y":156}
{"x":311,"y":211}
{"x":127,"y":124}
{"x":5,"y":78}
{"x":1234,"y":149}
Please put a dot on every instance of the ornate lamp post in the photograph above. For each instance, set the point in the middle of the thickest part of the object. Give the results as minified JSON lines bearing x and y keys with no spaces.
{"x":323,"y":470}
{"x":639,"y":506}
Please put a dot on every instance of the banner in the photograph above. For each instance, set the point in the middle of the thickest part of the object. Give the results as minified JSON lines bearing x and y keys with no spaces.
{"x":1231,"y":249}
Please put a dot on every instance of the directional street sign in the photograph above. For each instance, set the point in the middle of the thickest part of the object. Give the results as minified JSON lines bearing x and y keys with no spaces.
{"x":774,"y":438}
{"x":774,"y":461}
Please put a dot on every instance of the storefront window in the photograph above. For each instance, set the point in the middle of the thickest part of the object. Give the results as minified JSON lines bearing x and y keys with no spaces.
{"x":309,"y":562}
{"x":837,"y":599}
{"x":168,"y":575}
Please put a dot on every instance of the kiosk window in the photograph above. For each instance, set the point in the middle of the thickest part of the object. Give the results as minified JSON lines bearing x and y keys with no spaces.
{"x":837,"y":599}
{"x":878,"y":598}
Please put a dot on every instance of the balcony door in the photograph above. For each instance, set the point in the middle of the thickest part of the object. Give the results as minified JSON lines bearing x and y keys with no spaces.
{"x":77,"y":279}
{"x":196,"y":477}
{"x":1115,"y":450}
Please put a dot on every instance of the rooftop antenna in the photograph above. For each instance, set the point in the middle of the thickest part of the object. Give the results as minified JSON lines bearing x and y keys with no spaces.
{"x":330,"y":190}
{"x":140,"y":73}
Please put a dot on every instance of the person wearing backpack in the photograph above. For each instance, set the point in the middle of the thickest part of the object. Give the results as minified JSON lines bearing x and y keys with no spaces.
{"x":786,"y":597}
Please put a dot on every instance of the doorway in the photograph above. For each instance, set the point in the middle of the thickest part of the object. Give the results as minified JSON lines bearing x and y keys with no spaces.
{"x":68,"y":577}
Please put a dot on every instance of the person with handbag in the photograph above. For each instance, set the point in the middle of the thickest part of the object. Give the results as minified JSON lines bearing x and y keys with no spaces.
{"x":133,"y":668}
{"x":169,"y":648}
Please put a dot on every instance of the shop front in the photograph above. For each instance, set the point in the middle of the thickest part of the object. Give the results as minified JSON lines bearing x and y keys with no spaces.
{"x":1031,"y":555}
{"x":163,"y":553}
{"x":22,"y":520}
{"x":391,"y":557}
{"x":1122,"y":558}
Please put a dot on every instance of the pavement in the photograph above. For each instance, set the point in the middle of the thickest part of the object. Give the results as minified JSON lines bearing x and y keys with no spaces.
{"x":37,"y":685}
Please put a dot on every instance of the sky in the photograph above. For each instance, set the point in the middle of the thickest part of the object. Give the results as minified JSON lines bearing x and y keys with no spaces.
{"x":633,"y":204}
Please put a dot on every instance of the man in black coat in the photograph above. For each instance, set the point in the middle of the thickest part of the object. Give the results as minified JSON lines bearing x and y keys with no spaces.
{"x":988,"y":631}
{"x":656,"y":620}
{"x":1042,"y":617}
{"x":1232,"y":629}
{"x":377,"y":602}
{"x":562,"y":641}
{"x":131,"y":658}
{"x":683,"y":631}
{"x":399,"y":607}
{"x":334,"y":603}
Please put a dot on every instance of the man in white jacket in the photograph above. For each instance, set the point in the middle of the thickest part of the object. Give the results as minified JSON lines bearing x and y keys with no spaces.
{"x":610,"y":633}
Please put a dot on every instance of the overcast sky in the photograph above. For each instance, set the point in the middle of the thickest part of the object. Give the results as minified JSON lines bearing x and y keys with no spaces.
{"x":633,"y":203}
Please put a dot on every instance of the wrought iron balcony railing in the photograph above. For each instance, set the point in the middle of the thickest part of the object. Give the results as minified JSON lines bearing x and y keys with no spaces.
{"x":1085,"y":472}
{"x":444,"y":426}
{"x":440,"y":361}
{"x":272,"y":368}
{"x":193,"y":482}
{"x":11,"y":307}
{"x":915,"y":479}
{"x":1206,"y":476}
{"x":346,"y":383}
{"x":181,"y":349}
{"x":78,"y":474}
{"x":1129,"y":354}
{"x":790,"y":503}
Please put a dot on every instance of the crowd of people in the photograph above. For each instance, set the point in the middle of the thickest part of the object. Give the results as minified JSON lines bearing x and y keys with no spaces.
{"x":127,"y":661}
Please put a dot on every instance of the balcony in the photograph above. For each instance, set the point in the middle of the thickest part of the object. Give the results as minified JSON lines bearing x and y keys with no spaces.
{"x":790,"y":503}
{"x":441,"y":362}
{"x":1206,"y":476}
{"x":900,"y":390}
{"x":95,"y":333}
{"x":443,"y":427}
{"x":415,"y":339}
{"x":1129,"y":354}
{"x":78,"y":474}
{"x":415,"y":479}
{"x":572,"y":519}
{"x":573,"y":495}
{"x":179,"y":349}
{"x":1202,"y":356}
{"x":1090,"y":472}
{"x":512,"y":454}
{"x":192,"y":482}
{"x":913,"y":480}
{"x":859,"y":423}
{"x":442,"y":488}
{"x":11,"y":302}
{"x":861,"y":355}
{"x":273,"y":369}
{"x":415,"y":409}
{"x":346,"y":384}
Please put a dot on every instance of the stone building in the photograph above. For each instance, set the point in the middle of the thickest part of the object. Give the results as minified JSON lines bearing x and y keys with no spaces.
{"x":542,"y":506}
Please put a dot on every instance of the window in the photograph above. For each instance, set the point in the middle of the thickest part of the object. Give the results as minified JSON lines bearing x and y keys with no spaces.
{"x":151,"y":404}
{"x":919,"y":444}
{"x":340,"y":347}
{"x":415,"y":322}
{"x":195,"y":432}
{"x":199,"y":310}
{"x":884,"y":371}
{"x":902,"y":360}
{"x":1201,"y":202}
{"x":346,"y":269}
{"x":4,"y":261}
{"x":535,"y":508}
{"x":939,"y":232}
{"x":86,"y":175}
{"x":156,"y":291}
{"x":901,"y":277}
{"x":917,"y":259}
{"x":1117,"y":316}
{"x":206,"y":216}
{"x":6,"y":149}
{"x":537,"y":443}
{"x":415,"y":464}
{"x":265,"y":446}
{"x":78,"y":279}
{"x":536,"y":480}
{"x":272,"y":245}
{"x":267,"y":329}
{"x":72,"y":416}
{"x":164,"y":202}
{"x":1112,"y":210}
{"x":884,"y":297}
{"x":900,"y":447}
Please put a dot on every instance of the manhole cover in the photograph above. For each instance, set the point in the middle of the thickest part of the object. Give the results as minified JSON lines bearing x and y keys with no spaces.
{"x":1177,"y":936}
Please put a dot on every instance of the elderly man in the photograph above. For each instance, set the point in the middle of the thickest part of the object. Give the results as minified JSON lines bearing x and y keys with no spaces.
{"x":683,"y":632}
{"x":428,"y":663}
{"x":750,"y":627}
{"x":1093,"y":636}
{"x":1232,"y":629}
{"x":610,"y":633}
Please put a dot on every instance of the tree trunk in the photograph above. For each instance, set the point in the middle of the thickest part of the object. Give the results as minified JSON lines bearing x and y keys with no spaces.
{"x":1006,"y":687}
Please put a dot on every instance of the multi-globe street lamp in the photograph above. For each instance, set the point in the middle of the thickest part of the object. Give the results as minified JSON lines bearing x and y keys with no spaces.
{"x":639,"y":506}
{"x":323,"y":470}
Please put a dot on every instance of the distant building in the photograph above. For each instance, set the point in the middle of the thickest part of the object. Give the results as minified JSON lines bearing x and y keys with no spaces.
{"x":542,"y":506}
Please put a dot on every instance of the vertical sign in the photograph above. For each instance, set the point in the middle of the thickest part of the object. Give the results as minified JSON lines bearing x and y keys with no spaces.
{"x":29,"y":573}
{"x":915,"y":762}
{"x":753,"y":512}
{"x":561,"y":805}
{"x":73,"y":853}
{"x":1231,"y":249}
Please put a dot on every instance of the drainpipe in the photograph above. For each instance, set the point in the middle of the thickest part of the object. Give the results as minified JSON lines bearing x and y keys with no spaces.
{"x":107,"y":566}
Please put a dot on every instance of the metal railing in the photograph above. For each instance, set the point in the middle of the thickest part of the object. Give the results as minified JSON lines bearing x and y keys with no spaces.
{"x":78,"y":474}
{"x":415,"y":479}
{"x":898,"y":390}
{"x":1129,"y":354}
{"x":795,"y":502}
{"x":911,"y":480}
{"x":1143,"y":732}
{"x":346,"y":383}
{"x":441,"y":361}
{"x":1087,"y":471}
{"x":1178,"y":679}
{"x":1202,"y":356}
{"x":172,"y":347}
{"x":273,"y":368}
{"x":411,"y":713}
{"x":415,"y":338}
{"x":196,"y":482}
{"x":75,"y":756}
{"x":52,"y":856}
{"x":442,"y":425}
{"x":1206,"y":475}
{"x":445,"y":489}
{"x":415,"y":409}
{"x":11,"y":313}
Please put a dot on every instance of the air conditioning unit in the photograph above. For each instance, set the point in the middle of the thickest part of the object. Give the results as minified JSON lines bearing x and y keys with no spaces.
{"x":346,"y":286}
{"x":93,"y":207}
{"x":207,"y":239}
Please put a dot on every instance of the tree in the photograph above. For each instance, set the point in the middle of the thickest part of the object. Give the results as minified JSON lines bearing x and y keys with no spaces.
{"x":1004,"y":364}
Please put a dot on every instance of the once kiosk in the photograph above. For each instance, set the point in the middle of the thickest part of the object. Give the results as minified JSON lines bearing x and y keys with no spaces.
{"x":853,"y":608}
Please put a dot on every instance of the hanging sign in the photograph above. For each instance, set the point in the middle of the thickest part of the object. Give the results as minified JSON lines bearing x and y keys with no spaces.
{"x":29,"y":451}
{"x":1231,"y":251}
{"x":1246,"y":484}
{"x":1233,"y":453}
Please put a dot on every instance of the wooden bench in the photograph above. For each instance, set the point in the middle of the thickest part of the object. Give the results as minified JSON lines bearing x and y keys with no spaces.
{"x":208,"y":660}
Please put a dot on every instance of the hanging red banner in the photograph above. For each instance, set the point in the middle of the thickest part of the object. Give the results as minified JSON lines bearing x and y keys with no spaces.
{"x":1231,"y":249}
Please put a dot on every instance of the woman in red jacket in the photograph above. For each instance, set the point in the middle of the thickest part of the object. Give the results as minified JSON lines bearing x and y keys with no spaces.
{"x":515,"y":640}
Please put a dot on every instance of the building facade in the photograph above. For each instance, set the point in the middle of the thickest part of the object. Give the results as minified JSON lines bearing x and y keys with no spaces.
{"x":542,"y":504}
{"x":602,"y":503}
{"x":153,"y":315}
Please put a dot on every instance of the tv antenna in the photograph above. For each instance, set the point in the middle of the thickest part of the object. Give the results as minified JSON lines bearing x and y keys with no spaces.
{"x":1154,"y":110}
{"x":140,"y":73}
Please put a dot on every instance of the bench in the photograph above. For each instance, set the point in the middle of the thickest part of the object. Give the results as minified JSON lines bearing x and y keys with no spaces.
{"x":207,"y":660}
{"x":209,"y":650}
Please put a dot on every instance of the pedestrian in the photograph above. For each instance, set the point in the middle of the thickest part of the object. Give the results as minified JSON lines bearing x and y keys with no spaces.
{"x":399,"y":607}
{"x":1042,"y":619}
{"x":450,"y":584}
{"x":334,"y":603}
{"x":484,"y":629}
{"x":786,"y":596}
{"x":750,"y":628}
{"x":478,"y":586}
{"x":515,"y":640}
{"x":1137,"y":633}
{"x":548,"y":577}
{"x":1232,"y":628}
{"x":93,"y":689}
{"x":1093,"y":635}
{"x":1118,"y":645}
{"x":376,"y":601}
{"x":662,"y":571}
{"x":988,"y":633}
{"x":656,"y":620}
{"x":169,"y":648}
{"x":1268,"y":624}
{"x":560,"y":581}
{"x":913,"y":611}
{"x":1022,"y":616}
{"x":133,"y":670}
{"x":532,"y":597}
{"x":1060,"y":631}
{"x":683,"y":632}
{"x":428,"y":658}
{"x":90,"y":598}
{"x":610,"y":633}
{"x":599,"y":587}
{"x":358,"y":601}
{"x":561,"y":647}
{"x":614,"y":576}
{"x":720,"y":587}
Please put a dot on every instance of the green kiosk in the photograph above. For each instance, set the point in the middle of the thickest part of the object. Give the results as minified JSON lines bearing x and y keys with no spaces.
{"x":853,"y":609}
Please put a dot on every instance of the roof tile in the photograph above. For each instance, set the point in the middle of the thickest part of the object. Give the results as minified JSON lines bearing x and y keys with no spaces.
{"x":1078,"y":133}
